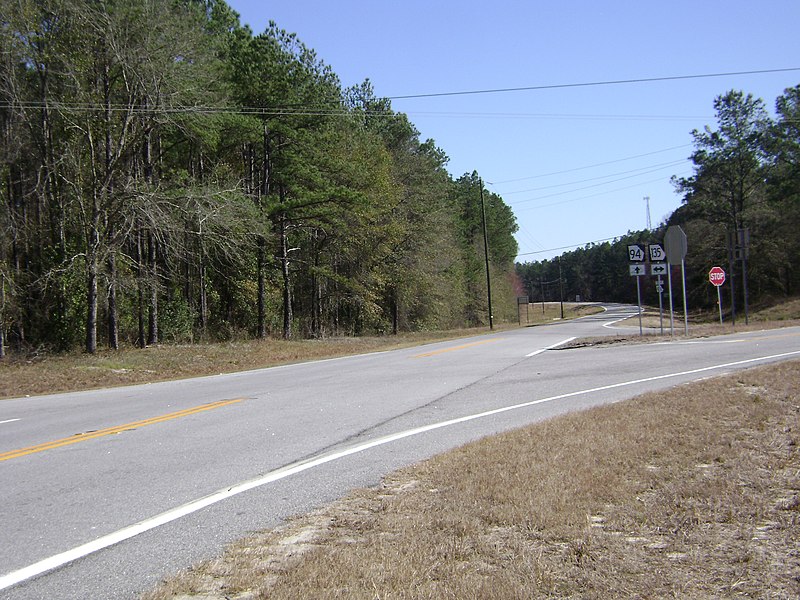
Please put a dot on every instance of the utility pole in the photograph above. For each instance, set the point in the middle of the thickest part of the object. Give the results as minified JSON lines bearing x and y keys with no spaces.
{"x":486,"y":255}
{"x":561,"y":287}
{"x":541,"y":284}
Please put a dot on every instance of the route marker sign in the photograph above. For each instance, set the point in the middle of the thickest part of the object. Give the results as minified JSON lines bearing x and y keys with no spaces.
{"x":635,"y":253}
{"x":716,"y":276}
{"x":657,"y":253}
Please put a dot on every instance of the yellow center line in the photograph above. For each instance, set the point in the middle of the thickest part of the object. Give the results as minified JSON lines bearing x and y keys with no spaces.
{"x":747,"y":339}
{"x":82,"y":437}
{"x":776,"y":336}
{"x":454,"y":348}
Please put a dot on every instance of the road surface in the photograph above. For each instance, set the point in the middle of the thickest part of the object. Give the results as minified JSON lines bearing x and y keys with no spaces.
{"x":103,"y":493}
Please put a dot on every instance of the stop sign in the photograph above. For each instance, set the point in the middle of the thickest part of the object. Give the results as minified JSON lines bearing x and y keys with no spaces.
{"x":716,"y":276}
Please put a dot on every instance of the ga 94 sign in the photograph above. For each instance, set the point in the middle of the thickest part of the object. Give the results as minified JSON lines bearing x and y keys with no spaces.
{"x":635,"y":253}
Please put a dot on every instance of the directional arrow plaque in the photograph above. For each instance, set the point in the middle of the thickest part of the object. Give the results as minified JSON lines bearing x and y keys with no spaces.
{"x":638,"y":270}
{"x":658,"y":268}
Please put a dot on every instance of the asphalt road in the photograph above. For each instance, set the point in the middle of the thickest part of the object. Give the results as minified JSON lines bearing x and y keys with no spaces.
{"x":104,"y":493}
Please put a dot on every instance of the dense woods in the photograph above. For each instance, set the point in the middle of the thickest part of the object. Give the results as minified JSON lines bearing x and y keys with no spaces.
{"x":746,"y":179}
{"x":168,"y":175}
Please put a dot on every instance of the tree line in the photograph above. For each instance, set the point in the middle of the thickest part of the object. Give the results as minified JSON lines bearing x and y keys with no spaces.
{"x":740,"y":210}
{"x":168,"y":175}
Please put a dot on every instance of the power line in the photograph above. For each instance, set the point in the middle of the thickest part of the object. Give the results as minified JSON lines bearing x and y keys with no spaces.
{"x":563,"y":116}
{"x":616,"y":237}
{"x":524,"y":231}
{"x":595,"y":185}
{"x":590,"y":84}
{"x":318,"y":112}
{"x":641,"y":171}
{"x":602,"y":164}
{"x":627,"y":187}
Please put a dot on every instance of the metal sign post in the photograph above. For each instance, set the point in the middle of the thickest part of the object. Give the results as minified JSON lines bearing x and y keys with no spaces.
{"x":671,"y":311}
{"x":638,"y":270}
{"x":660,"y":290}
{"x":639,"y":300}
{"x":685,"y":309}
{"x":657,"y":269}
{"x":717,"y":277}
{"x":676,"y":246}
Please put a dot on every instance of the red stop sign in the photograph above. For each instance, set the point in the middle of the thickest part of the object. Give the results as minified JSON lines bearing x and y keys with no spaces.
{"x":716,"y":276}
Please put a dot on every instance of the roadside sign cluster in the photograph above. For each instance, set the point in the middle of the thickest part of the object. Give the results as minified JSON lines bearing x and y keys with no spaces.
{"x":638,"y":268}
{"x":636,"y":255}
{"x":655,"y":260}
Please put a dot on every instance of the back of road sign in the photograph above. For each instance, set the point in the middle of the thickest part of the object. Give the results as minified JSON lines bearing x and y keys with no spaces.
{"x":675,"y":245}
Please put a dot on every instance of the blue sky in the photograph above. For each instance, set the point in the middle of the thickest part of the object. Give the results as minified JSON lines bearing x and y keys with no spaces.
{"x":574,"y":163}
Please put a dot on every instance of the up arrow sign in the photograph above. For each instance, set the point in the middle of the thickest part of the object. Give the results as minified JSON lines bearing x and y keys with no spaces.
{"x":637,"y":270}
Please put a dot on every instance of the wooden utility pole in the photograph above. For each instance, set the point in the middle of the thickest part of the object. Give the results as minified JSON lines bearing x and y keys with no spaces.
{"x":486,"y":255}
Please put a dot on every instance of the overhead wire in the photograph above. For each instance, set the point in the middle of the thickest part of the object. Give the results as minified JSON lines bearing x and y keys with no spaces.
{"x":313,"y":112}
{"x":592,"y":83}
{"x":646,"y":170}
{"x":588,"y":187}
{"x":620,"y":189}
{"x":592,"y":166}
{"x":616,"y":237}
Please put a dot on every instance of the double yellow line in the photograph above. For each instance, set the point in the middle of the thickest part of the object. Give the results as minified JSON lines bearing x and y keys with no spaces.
{"x":91,"y":435}
{"x":454,"y":348}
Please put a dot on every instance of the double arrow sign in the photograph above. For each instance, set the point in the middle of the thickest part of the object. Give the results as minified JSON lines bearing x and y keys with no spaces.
{"x":657,"y":255}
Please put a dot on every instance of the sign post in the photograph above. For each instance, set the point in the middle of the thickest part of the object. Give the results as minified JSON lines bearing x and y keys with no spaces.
{"x":675,"y":245}
{"x":637,"y":269}
{"x":657,"y":268}
{"x":717,"y":277}
{"x":660,"y":290}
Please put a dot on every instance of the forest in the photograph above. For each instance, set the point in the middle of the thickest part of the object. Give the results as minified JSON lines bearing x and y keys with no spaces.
{"x":740,"y":210}
{"x":168,"y":176}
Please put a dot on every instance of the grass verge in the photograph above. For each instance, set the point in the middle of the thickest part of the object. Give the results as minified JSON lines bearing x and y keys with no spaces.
{"x":690,"y":493}
{"x":47,"y":374}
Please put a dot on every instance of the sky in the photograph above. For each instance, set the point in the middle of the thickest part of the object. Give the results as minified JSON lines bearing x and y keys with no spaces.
{"x":574,"y":162}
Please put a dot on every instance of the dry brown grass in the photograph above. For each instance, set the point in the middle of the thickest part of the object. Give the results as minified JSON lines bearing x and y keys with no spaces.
{"x":21,"y":376}
{"x":47,"y":374}
{"x":691,"y":493}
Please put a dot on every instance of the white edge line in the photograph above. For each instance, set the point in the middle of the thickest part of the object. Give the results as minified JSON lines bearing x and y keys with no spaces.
{"x":610,"y":324}
{"x":83,"y":550}
{"x":556,"y":345}
{"x":8,"y":421}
